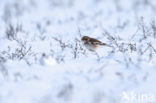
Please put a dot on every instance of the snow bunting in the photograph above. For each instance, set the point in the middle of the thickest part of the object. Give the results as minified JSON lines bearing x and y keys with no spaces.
{"x":92,"y":44}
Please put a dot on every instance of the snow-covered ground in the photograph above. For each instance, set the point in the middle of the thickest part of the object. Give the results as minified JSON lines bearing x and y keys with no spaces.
{"x":42,"y":59}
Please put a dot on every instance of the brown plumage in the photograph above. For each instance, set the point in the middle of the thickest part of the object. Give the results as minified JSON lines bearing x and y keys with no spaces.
{"x":92,"y":43}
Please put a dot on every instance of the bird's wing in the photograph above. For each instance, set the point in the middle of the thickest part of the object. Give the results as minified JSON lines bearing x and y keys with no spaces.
{"x":95,"y":41}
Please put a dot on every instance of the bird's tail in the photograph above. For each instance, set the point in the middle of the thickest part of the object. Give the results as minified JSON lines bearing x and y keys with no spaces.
{"x":104,"y":44}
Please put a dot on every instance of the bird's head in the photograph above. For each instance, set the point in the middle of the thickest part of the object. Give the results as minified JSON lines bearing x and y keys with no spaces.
{"x":85,"y":38}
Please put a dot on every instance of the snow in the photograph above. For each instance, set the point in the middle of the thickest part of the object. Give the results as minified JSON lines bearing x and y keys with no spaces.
{"x":44,"y":61}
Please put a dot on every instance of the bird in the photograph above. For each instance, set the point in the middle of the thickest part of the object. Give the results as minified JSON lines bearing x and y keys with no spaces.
{"x":92,"y":44}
